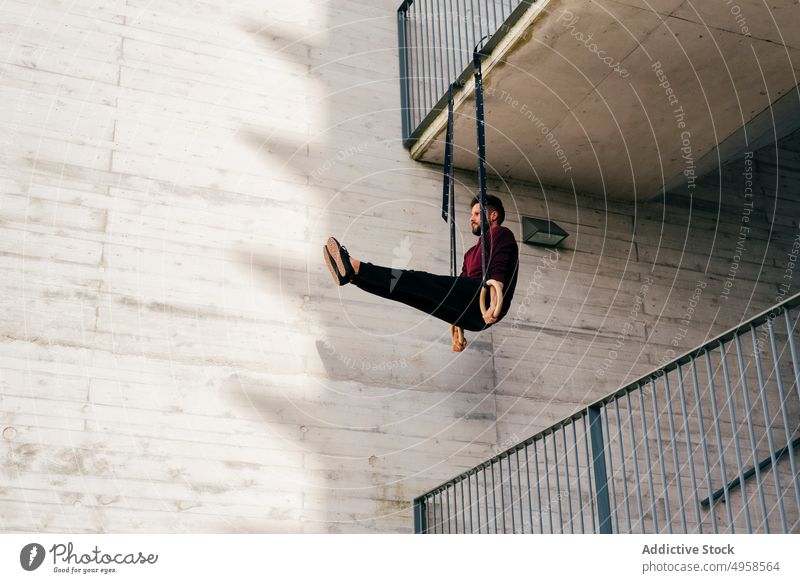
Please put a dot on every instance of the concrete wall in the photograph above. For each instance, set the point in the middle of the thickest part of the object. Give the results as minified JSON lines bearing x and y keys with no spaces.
{"x":174,"y":356}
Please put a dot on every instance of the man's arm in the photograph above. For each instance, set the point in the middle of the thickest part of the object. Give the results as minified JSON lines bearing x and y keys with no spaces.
{"x":504,"y":251}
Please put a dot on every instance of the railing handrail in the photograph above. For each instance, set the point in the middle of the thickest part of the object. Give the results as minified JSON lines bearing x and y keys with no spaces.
{"x":760,"y":318}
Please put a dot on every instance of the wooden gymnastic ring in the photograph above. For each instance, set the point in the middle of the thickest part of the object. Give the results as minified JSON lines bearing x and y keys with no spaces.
{"x":498,"y":291}
{"x":457,"y":334}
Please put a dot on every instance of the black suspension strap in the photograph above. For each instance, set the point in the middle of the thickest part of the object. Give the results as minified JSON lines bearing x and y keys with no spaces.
{"x":448,"y":189}
{"x":476,"y":61}
{"x":449,"y":210}
{"x":485,"y":234}
{"x":448,"y":197}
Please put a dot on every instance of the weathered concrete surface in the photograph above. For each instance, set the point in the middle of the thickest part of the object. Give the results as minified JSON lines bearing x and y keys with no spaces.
{"x":173,"y":355}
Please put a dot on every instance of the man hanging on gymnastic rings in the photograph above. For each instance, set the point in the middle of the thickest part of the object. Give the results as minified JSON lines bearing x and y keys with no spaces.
{"x":456,"y":300}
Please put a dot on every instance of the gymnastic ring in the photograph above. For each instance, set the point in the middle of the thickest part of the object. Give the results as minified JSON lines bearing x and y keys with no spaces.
{"x":457,"y":333}
{"x":498,"y":291}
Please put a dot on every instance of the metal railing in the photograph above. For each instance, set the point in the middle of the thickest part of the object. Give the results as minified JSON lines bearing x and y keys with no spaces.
{"x":436,"y":39}
{"x":706,"y":443}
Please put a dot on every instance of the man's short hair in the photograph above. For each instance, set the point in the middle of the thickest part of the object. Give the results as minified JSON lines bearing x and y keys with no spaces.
{"x":492,"y":204}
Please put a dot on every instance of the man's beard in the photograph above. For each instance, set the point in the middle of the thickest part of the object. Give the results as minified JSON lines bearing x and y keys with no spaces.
{"x":476,"y":230}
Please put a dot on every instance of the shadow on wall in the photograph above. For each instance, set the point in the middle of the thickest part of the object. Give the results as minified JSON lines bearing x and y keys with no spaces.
{"x":355,"y":399}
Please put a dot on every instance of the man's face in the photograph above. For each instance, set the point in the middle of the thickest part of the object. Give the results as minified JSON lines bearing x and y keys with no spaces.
{"x":475,"y":218}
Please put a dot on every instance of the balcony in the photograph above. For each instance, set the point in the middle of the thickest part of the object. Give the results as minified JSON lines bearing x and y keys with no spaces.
{"x":621,"y":99}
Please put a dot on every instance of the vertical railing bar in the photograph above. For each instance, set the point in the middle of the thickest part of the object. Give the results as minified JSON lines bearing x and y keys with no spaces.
{"x":502,"y":497}
{"x":443,"y":508}
{"x":445,"y":46}
{"x":528,"y":474}
{"x":609,"y":458}
{"x":436,"y":61}
{"x":676,"y":463}
{"x":538,"y":486}
{"x":403,"y":57}
{"x":422,"y":58}
{"x":519,"y":488}
{"x":408,"y":20}
{"x":460,"y":54}
{"x":418,"y":66}
{"x":425,"y":514}
{"x":706,"y":464}
{"x":692,"y":474}
{"x":494,"y":14}
{"x":413,"y":85}
{"x":418,"y":75}
{"x":436,"y":31}
{"x":511,"y":494}
{"x":435,"y":517}
{"x":472,"y":502}
{"x":735,"y":428}
{"x":480,"y":25}
{"x":435,"y":521}
{"x":624,"y":471}
{"x":718,"y":434}
{"x":558,"y":482}
{"x":414,"y":76}
{"x":435,"y":50}
{"x":478,"y":500}
{"x":650,"y":483}
{"x":463,"y":509}
{"x":442,"y":48}
{"x":494,"y":498}
{"x":635,"y":456}
{"x":751,"y":433}
{"x":449,"y":24}
{"x":455,"y":507}
{"x":578,"y":470}
{"x":661,"y":463}
{"x":547,"y":483}
{"x":793,"y":350}
{"x":469,"y":504}
{"x":447,"y":498}
{"x":768,"y":427}
{"x":600,"y":475}
{"x":502,"y":11}
{"x":569,"y":486}
{"x":788,"y":429}
{"x":590,"y":467}
{"x":486,"y":499}
{"x":458,"y":515}
{"x":432,"y":508}
{"x":429,"y":69}
{"x":471,"y":43}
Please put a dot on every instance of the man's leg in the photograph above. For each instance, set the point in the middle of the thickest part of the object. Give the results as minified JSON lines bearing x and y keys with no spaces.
{"x":452,"y":299}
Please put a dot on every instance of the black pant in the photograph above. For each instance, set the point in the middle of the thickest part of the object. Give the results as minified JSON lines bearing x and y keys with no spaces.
{"x":452,"y":299}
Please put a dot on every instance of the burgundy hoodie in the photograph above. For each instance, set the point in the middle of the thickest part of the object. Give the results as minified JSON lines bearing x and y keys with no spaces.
{"x":502,"y":263}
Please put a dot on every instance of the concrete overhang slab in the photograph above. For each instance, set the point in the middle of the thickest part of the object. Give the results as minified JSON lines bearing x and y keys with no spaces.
{"x":578,"y":98}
